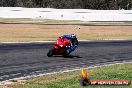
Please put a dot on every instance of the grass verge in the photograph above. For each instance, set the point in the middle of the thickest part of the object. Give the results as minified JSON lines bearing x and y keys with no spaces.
{"x":71,"y":79}
{"x":42,"y":21}
{"x":49,"y":21}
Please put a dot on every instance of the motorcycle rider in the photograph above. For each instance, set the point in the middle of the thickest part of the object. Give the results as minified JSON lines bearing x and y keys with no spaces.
{"x":73,"y":40}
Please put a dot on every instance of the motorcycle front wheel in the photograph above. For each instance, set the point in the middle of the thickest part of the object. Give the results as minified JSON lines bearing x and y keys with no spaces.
{"x":66,"y":54}
{"x":50,"y":53}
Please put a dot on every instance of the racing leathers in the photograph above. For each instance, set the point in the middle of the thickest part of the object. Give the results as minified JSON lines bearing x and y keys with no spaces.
{"x":74,"y":42}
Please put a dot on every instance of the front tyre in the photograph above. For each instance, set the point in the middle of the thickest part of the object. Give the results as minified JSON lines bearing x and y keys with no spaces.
{"x":66,"y":54}
{"x":50,"y":53}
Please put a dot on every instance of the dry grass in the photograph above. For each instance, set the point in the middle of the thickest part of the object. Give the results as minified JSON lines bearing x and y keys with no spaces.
{"x":38,"y":32}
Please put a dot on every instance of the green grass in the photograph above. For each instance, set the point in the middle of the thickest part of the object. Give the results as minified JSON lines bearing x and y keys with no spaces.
{"x":48,"y":21}
{"x":42,"y":21}
{"x":130,"y":22}
{"x":71,"y":79}
{"x":15,"y":19}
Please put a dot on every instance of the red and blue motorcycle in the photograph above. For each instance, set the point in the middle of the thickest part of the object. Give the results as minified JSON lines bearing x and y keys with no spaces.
{"x":60,"y":48}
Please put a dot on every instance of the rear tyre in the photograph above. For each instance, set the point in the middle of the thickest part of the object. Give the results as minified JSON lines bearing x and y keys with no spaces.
{"x":50,"y":53}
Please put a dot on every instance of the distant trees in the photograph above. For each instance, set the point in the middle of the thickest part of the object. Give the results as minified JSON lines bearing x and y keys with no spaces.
{"x":70,"y":4}
{"x":8,"y":3}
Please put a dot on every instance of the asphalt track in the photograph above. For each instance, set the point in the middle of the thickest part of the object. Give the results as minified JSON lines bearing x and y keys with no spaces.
{"x":20,"y":60}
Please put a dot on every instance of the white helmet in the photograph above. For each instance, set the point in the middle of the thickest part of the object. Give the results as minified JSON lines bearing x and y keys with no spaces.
{"x":73,"y":35}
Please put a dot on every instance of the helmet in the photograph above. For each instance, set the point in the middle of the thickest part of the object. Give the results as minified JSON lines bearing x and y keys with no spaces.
{"x":73,"y":36}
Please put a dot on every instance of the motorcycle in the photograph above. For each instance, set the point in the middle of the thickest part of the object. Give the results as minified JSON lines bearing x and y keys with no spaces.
{"x":60,"y":48}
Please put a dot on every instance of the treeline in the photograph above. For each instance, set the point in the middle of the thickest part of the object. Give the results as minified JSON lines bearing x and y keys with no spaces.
{"x":70,"y":4}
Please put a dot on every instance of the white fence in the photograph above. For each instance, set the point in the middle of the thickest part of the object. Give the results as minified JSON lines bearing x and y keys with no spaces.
{"x":66,"y":14}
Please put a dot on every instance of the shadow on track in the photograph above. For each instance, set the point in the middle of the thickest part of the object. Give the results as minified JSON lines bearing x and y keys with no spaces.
{"x":69,"y":56}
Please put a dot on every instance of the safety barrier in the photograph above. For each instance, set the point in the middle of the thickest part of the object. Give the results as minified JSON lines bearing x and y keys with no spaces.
{"x":66,"y":14}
